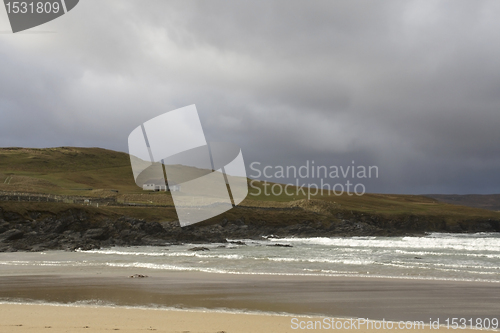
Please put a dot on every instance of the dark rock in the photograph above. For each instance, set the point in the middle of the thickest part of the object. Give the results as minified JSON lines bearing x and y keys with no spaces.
{"x":11,"y":235}
{"x":238,"y":222}
{"x":4,"y":226}
{"x":89,"y":247}
{"x":153,"y":228}
{"x":96,"y":234}
{"x":153,"y":241}
{"x":237,"y":243}
{"x":11,"y":217}
{"x":199,"y":249}
{"x":76,"y":229}
{"x":281,"y":245}
{"x":38,"y":248}
{"x":136,"y":276}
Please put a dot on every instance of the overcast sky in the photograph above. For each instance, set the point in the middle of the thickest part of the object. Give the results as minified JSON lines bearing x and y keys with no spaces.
{"x":412,"y":87}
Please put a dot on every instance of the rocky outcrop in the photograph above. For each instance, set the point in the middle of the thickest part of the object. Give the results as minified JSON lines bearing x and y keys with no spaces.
{"x":199,"y":248}
{"x":78,"y":229}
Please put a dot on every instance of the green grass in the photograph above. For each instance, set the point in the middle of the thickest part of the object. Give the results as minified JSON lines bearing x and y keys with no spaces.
{"x":66,"y":170}
{"x":51,"y":208}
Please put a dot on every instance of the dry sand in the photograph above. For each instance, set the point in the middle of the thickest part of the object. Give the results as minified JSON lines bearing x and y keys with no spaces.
{"x":58,"y":319}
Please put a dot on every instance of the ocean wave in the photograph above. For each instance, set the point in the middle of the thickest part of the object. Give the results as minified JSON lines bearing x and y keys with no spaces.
{"x":165,"y":254}
{"x":491,"y":244}
{"x":454,"y":254}
{"x":45,"y":263}
{"x":331,"y":261}
{"x":451,"y":265}
{"x":438,"y":257}
{"x":165,"y":267}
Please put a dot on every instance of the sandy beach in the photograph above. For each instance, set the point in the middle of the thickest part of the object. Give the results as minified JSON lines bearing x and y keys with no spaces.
{"x":59,"y":319}
{"x":73,"y":292}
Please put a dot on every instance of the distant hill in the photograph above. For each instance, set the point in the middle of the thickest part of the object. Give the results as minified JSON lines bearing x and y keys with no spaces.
{"x":483,"y":201}
{"x":65,"y":170}
{"x":97,"y":172}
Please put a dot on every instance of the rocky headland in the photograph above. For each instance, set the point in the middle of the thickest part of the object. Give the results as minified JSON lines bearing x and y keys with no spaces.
{"x":78,"y":228}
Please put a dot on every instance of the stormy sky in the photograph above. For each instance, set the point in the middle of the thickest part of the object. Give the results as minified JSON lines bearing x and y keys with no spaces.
{"x":412,"y":87}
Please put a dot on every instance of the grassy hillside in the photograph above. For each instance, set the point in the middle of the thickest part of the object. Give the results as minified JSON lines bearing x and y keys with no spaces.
{"x":65,"y":170}
{"x":484,"y":201}
{"x":96,"y":172}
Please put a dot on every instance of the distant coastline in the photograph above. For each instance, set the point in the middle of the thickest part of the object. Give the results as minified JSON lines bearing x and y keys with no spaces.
{"x":45,"y":226}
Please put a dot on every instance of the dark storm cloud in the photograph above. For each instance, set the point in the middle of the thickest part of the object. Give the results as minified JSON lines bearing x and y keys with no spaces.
{"x":410,"y":86}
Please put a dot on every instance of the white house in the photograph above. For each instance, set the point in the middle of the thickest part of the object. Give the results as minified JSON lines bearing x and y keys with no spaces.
{"x":148,"y":187}
{"x":158,"y":185}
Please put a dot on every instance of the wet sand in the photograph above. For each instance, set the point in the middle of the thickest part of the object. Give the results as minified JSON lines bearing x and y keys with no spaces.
{"x":389,"y":299}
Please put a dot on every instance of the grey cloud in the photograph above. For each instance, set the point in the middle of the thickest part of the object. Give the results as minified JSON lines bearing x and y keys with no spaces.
{"x":411,"y":86}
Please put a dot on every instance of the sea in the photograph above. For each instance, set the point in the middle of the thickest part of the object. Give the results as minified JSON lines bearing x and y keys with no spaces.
{"x":436,"y":256}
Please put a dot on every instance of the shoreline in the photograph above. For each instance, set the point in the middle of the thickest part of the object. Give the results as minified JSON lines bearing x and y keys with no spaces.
{"x":298,"y":275}
{"x":159,"y":308}
{"x":101,"y":318}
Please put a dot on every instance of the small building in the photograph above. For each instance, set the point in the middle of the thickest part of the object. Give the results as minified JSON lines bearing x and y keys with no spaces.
{"x":158,"y":185}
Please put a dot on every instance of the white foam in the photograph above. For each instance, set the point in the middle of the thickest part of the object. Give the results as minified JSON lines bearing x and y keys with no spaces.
{"x":491,"y":243}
